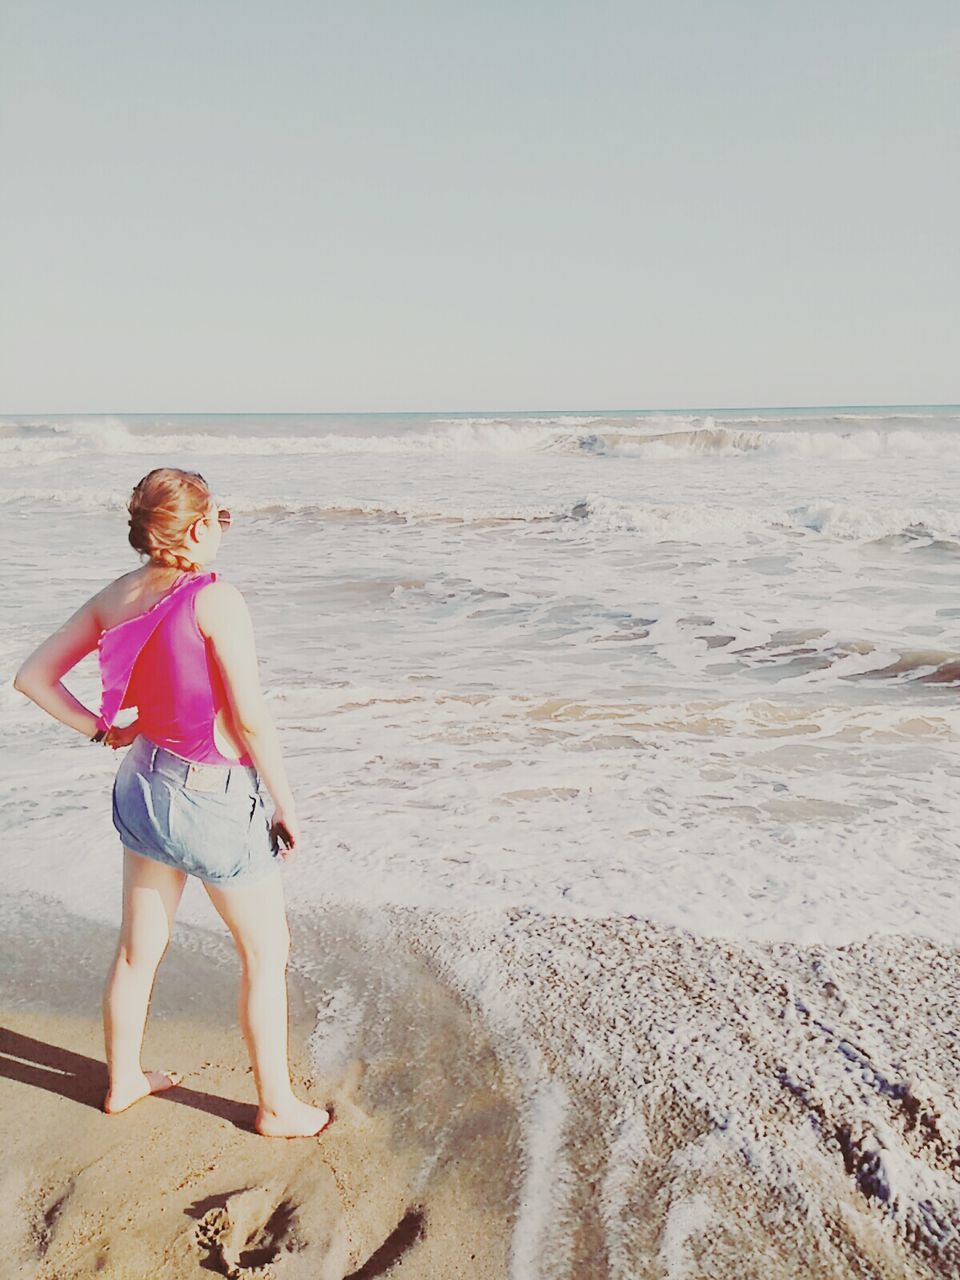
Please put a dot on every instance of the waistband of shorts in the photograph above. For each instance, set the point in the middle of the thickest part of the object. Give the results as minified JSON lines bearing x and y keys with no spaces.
{"x":194,"y":775}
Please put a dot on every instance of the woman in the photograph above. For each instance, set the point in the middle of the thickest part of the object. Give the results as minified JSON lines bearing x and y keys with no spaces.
{"x":178,"y":645}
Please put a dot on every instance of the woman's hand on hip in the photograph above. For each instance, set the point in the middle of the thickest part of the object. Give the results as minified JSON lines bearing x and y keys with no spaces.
{"x":117,"y":737}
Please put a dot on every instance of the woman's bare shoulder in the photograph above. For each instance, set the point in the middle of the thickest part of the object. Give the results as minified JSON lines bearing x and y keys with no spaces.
{"x":113,"y":601}
{"x":220,"y":604}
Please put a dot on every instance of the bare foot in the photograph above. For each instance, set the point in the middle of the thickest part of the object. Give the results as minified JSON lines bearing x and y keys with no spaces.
{"x":298,"y":1120}
{"x":121,"y":1096}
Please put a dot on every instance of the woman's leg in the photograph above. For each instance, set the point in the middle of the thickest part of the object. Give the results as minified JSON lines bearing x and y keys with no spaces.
{"x":151,"y":894}
{"x":255,"y":916}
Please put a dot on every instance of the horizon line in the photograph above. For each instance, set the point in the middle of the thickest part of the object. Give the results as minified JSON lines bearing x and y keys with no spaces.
{"x":320,"y":413}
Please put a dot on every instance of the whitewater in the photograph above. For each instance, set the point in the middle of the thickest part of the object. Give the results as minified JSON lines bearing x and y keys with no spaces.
{"x":640,"y":731}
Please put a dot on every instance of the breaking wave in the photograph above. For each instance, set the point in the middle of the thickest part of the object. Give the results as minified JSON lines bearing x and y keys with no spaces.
{"x":837,"y":519}
{"x":650,"y":437}
{"x":860,"y":445}
{"x":51,"y":441}
{"x":892,"y":526}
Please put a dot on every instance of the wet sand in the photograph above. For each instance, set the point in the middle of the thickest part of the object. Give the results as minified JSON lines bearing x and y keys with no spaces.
{"x":708,"y":1109}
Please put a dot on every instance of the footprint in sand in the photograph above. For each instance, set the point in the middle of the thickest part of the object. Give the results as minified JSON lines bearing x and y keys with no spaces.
{"x":247,"y":1236}
{"x":49,"y":1208}
{"x":248,"y":1233}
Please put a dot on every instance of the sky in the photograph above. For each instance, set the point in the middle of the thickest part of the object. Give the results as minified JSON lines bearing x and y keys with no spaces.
{"x":376,"y":205}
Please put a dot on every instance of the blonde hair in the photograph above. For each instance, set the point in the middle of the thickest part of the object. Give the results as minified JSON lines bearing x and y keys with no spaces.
{"x":162,"y":508}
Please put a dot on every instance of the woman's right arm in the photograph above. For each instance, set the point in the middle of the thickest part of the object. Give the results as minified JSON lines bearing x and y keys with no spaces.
{"x":41,"y":676}
{"x":223,"y":617}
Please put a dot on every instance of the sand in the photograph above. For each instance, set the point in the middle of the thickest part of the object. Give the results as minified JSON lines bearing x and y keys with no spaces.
{"x":705,"y":1109}
{"x":515,"y":1094}
{"x":413,"y":1177}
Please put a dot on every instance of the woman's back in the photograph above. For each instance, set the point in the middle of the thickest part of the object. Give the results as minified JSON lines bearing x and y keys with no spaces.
{"x":158,"y":660}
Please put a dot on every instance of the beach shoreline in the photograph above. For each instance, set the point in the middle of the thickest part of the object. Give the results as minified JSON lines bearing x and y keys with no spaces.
{"x":515,"y":1094}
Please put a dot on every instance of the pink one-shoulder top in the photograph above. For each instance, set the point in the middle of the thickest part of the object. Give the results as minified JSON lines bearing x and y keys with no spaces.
{"x":161,"y":663}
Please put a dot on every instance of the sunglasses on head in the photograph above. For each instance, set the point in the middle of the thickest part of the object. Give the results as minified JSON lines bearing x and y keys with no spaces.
{"x":224,"y":518}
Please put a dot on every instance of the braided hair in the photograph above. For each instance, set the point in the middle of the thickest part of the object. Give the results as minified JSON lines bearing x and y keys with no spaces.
{"x":162,"y":508}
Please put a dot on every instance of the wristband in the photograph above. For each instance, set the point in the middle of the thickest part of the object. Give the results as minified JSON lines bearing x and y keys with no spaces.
{"x":102,"y":730}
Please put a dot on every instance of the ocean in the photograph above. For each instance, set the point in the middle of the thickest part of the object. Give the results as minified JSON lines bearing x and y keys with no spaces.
{"x":691,"y":673}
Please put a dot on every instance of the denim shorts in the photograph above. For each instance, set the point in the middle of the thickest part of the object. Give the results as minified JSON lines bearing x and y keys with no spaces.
{"x":206,"y":819}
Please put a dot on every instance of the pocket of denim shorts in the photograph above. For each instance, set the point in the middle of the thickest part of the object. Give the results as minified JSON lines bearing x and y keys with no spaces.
{"x":209,"y":830}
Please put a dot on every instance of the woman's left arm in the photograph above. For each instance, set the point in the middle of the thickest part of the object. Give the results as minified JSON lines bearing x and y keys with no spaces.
{"x":40,"y":676}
